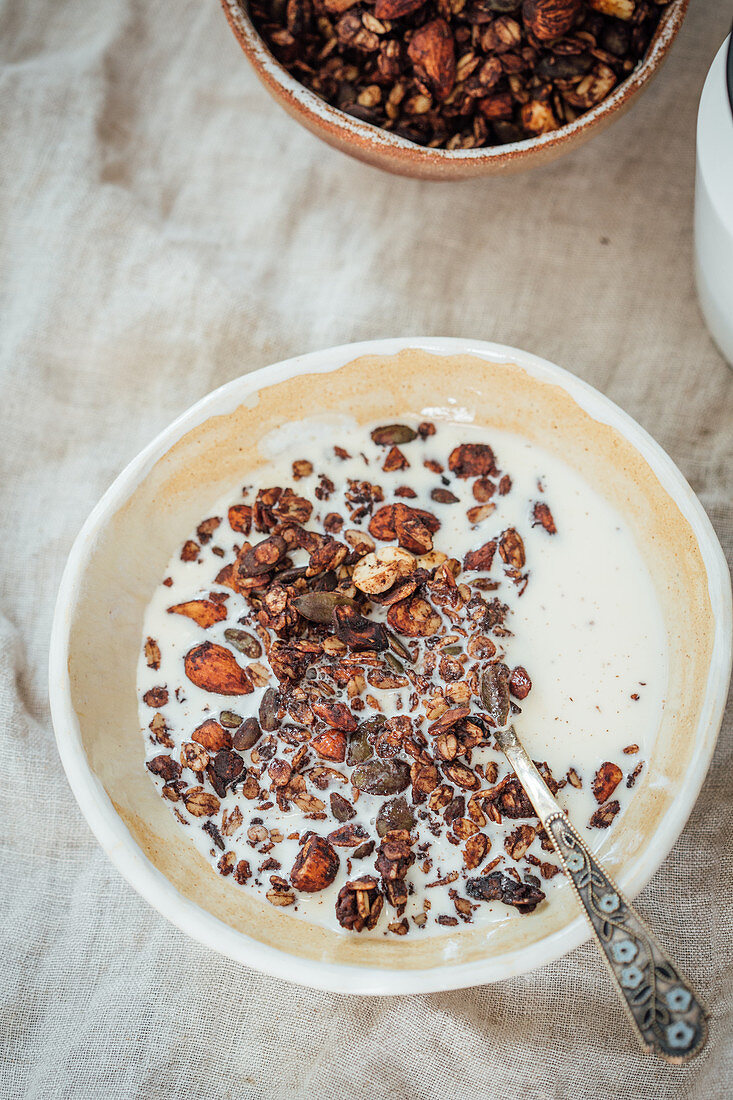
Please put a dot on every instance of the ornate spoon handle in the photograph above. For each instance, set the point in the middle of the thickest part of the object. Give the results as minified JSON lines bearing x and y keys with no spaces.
{"x":665,"y":1012}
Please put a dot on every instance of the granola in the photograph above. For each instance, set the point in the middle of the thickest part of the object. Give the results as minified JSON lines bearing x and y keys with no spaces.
{"x":323,"y":668}
{"x":460,"y":74}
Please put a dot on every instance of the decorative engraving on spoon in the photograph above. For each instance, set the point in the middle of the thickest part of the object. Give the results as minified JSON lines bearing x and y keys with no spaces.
{"x":667,"y":1015}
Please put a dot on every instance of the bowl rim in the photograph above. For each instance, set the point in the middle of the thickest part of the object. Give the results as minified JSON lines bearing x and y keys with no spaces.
{"x":202,"y":926}
{"x":366,"y":136}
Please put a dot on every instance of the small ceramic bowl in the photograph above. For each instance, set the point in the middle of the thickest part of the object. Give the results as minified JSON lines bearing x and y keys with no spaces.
{"x":123,"y":550}
{"x":397,"y":154}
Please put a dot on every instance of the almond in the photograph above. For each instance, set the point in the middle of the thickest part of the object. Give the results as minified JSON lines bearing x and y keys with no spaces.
{"x":212,"y":736}
{"x":606,"y":780}
{"x":213,"y":668}
{"x":432,"y":52}
{"x":203,"y":612}
{"x":336,"y":715}
{"x":316,"y":865}
{"x":394,"y":9}
{"x":331,"y":745}
{"x":498,"y":106}
{"x":549,"y":19}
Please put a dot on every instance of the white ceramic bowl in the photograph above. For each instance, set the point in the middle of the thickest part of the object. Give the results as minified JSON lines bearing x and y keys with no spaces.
{"x":125,"y":544}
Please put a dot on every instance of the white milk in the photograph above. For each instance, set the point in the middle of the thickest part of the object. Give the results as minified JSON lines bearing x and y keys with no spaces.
{"x":588,"y":629}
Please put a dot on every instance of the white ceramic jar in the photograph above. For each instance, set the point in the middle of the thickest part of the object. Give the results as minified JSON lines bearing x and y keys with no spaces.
{"x":714,"y":205}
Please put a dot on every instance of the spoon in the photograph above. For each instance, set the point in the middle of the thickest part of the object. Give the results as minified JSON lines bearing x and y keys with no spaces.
{"x":665,"y":1012}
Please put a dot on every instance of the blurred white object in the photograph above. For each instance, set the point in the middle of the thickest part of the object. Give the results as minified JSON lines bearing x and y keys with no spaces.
{"x":714,"y":204}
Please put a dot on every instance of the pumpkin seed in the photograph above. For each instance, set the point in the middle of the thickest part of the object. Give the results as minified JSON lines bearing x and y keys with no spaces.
{"x":393,"y":663}
{"x":382,"y":777}
{"x":261,"y":557}
{"x":229,"y":719}
{"x":359,"y":747}
{"x":247,"y":736}
{"x":289,"y":575}
{"x":244,"y":642}
{"x":395,"y":814}
{"x":397,"y":647}
{"x":558,"y":67}
{"x":391,"y":434}
{"x":325,"y":582}
{"x":318,"y":606}
{"x":268,"y":710}
{"x":341,"y":808}
{"x":495,"y":692}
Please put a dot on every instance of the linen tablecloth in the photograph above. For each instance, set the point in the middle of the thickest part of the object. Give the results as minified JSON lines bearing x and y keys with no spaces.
{"x":165,"y":227}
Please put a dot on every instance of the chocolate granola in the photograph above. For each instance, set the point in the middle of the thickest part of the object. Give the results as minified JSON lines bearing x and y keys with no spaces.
{"x":347,"y":675}
{"x":460,"y":74}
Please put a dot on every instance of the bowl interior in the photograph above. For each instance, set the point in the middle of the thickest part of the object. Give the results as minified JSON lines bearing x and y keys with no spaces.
{"x":122,"y":556}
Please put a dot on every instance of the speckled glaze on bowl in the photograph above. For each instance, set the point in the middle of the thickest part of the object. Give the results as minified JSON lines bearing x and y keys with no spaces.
{"x":396,"y":154}
{"x":124,"y":547}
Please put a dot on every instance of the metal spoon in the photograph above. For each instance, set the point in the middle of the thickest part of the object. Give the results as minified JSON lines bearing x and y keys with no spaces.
{"x":663,"y":1008}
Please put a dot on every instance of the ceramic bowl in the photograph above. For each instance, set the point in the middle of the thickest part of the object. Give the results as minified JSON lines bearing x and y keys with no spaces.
{"x":397,"y":154}
{"x":124,"y":547}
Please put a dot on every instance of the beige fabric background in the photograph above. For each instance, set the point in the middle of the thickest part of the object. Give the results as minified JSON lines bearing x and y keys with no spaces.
{"x":165,"y":227}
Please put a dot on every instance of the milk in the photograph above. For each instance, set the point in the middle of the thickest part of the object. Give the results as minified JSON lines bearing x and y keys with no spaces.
{"x":588,"y":629}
